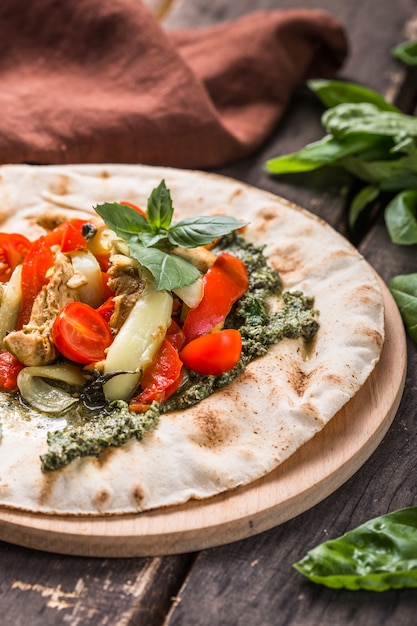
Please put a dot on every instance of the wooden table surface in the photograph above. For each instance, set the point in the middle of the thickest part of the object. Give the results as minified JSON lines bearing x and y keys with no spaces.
{"x":252,"y":582}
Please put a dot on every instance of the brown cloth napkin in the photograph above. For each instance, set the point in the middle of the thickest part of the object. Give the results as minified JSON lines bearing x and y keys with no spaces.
{"x":102,"y":81}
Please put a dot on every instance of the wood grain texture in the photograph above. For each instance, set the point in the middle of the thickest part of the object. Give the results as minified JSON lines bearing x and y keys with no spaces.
{"x":37,"y":588}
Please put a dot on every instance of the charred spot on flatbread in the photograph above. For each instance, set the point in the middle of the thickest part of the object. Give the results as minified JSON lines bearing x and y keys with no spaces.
{"x":101,"y":497}
{"x":138,"y":494}
{"x":212,"y":430}
{"x":61,"y":185}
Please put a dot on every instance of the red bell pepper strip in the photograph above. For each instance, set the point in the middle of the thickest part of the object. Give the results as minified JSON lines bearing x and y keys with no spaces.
{"x":108,"y":293}
{"x":224,"y":283}
{"x":35,"y":266}
{"x":68,"y":236}
{"x":160,"y":379}
{"x":9,"y":370}
{"x":175,"y":336}
{"x":104,"y":261}
{"x":106,"y":309}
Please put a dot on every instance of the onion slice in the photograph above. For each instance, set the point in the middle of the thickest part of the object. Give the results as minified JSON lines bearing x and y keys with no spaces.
{"x":46,"y":397}
{"x":191,"y":294}
{"x":86,"y":264}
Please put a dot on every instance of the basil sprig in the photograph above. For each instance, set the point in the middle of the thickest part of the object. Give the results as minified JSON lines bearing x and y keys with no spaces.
{"x":152,"y":239}
{"x":378,"y":555}
{"x":377,"y":143}
{"x":365,"y":135}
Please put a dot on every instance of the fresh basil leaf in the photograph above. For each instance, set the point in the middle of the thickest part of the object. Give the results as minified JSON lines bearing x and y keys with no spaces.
{"x":378,"y":555}
{"x":405,"y":144}
{"x":326,"y":151}
{"x":159,"y":239}
{"x":404,"y":291}
{"x":364,"y":197}
{"x":390,"y":174}
{"x":197,"y":231}
{"x":400,"y":218}
{"x":347,"y":118}
{"x":169,"y":271}
{"x":160,"y":209}
{"x":406,"y":52}
{"x":122,"y":219}
{"x":333,"y":92}
{"x":400,"y":180}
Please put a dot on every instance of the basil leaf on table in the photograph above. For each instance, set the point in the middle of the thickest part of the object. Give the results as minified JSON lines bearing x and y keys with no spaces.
{"x":400,"y":218}
{"x":353,"y":118}
{"x":404,"y":291}
{"x":406,"y":52}
{"x":367,"y":136}
{"x":333,"y":92}
{"x":380,"y":554}
{"x":326,"y":151}
{"x":390,"y":175}
{"x":364,"y":197}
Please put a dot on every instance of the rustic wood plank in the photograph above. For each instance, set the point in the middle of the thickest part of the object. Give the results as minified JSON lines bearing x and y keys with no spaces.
{"x":44,"y":589}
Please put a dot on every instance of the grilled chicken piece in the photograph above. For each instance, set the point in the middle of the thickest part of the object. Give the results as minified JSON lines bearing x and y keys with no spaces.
{"x":201,"y":257}
{"x":33,"y":345}
{"x":127,"y":285}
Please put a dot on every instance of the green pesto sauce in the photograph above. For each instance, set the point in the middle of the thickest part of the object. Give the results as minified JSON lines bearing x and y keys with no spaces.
{"x":113,"y":425}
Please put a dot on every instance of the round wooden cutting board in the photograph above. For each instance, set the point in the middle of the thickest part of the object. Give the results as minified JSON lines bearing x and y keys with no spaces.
{"x":317,"y":469}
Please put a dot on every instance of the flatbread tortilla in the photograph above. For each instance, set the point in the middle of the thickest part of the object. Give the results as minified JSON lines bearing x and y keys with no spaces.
{"x":244,"y":431}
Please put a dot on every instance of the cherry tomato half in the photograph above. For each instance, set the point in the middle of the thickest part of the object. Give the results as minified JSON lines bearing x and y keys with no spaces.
{"x":13,"y":249}
{"x":213,"y":354}
{"x":81,"y":334}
